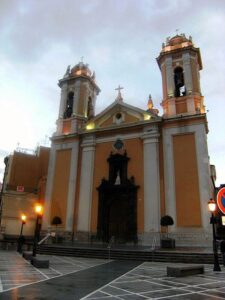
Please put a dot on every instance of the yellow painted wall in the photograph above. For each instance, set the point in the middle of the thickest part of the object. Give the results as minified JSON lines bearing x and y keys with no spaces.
{"x":107,"y":122}
{"x":43,"y":160}
{"x":134,"y":150}
{"x":127,"y":119}
{"x":186,"y":181}
{"x":27,"y":169}
{"x":61,"y":184}
{"x":14,"y":205}
{"x":130,"y":119}
{"x":24,"y":172}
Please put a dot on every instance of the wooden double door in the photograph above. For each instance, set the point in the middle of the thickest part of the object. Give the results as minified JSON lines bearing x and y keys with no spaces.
{"x":117,"y":214}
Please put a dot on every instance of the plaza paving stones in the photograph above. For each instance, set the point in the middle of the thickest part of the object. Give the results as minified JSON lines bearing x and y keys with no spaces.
{"x":149,"y":281}
{"x":16,"y":271}
{"x":71,"y":278}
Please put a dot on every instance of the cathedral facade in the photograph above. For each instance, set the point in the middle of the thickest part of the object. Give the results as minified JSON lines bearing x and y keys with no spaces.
{"x":117,"y":173}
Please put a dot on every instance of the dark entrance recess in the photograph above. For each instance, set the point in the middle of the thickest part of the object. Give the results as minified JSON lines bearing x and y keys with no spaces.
{"x":117,"y":210}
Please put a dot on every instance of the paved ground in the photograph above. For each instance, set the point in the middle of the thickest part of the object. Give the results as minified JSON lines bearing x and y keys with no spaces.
{"x":82,"y":278}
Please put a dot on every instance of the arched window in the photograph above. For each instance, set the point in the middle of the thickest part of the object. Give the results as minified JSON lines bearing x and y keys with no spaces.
{"x":69,"y":105}
{"x":180,"y":89}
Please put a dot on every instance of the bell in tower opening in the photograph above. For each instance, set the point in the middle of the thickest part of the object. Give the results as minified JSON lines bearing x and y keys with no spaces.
{"x":69,"y":106}
{"x":180,"y":89}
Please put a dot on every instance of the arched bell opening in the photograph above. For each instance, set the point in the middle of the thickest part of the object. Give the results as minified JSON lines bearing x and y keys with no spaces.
{"x":69,"y":105}
{"x":180,"y":89}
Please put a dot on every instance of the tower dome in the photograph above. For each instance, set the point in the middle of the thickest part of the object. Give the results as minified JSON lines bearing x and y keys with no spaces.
{"x":178,"y":39}
{"x":177,"y":42}
{"x":81,"y":69}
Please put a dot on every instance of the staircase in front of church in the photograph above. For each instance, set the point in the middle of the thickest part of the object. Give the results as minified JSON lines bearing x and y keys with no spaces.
{"x":179,"y":255}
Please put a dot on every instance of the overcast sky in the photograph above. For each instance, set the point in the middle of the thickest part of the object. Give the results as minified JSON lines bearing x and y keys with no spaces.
{"x":120,"y":40}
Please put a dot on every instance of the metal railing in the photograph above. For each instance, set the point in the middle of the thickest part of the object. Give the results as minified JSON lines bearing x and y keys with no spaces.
{"x":111,"y":242}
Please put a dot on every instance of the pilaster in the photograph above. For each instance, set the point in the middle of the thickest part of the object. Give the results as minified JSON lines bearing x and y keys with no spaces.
{"x":169,"y":77}
{"x":86,"y":182}
{"x":47,"y":205}
{"x":187,"y":73}
{"x":72,"y":187}
{"x":76,"y":98}
{"x":151,"y":180}
{"x":63,"y":100}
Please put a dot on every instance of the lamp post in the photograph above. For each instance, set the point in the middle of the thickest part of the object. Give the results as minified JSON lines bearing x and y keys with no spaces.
{"x":21,"y":238}
{"x":39,"y":211}
{"x":212,"y":208}
{"x":23,"y":219}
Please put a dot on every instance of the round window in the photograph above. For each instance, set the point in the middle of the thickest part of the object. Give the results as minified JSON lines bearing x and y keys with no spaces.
{"x":118,"y":116}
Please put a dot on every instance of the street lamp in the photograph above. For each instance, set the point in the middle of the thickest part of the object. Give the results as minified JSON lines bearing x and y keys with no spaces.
{"x":39,"y":211}
{"x":21,"y":237}
{"x":212,"y":208}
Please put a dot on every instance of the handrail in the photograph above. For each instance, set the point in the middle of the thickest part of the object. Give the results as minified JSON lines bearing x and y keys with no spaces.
{"x":46,"y":237}
{"x":154,"y":241}
{"x":111,"y":242}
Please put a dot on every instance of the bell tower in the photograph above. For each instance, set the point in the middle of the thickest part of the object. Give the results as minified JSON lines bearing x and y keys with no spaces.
{"x":180,"y":64}
{"x":78,"y":97}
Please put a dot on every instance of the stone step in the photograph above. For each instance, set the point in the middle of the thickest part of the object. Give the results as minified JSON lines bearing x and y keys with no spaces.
{"x":159,"y":256}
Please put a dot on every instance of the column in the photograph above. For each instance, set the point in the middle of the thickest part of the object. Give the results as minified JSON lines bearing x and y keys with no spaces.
{"x":151,"y":180}
{"x":46,"y":222}
{"x":169,"y":180}
{"x":72,"y":187}
{"x":86,"y":182}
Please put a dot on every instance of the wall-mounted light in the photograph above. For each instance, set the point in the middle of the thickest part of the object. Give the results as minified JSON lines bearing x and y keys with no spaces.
{"x":90,"y":126}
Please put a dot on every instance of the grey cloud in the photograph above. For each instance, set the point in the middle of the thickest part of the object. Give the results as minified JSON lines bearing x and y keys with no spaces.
{"x":30,"y":27}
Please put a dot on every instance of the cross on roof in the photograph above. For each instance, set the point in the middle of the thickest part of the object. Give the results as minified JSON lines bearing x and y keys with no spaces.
{"x":119,"y":96}
{"x":119,"y":88}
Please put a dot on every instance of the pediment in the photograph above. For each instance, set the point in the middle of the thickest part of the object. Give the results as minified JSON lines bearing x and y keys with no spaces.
{"x":120,"y":113}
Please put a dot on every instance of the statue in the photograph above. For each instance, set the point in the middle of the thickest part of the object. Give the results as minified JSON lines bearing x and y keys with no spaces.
{"x":118,"y":181}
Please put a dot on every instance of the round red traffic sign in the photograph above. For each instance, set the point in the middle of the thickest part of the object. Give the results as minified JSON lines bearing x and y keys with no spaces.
{"x":221,"y":199}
